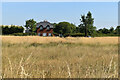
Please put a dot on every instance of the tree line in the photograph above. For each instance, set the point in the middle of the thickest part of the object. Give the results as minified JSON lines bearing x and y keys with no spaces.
{"x":7,"y":30}
{"x":85,"y":28}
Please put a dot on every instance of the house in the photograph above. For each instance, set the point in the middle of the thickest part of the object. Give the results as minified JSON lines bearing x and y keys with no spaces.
{"x":26,"y":30}
{"x":44,"y":28}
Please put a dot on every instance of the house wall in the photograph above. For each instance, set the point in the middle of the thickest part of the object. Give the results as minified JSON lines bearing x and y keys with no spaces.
{"x":44,"y":31}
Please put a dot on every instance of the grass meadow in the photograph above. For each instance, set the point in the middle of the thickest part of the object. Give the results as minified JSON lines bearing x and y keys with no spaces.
{"x":54,"y":57}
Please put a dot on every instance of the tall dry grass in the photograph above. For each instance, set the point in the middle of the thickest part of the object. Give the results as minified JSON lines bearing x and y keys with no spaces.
{"x":54,"y":57}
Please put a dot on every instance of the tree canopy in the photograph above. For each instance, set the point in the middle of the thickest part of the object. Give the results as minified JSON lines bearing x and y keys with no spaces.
{"x":6,"y":30}
{"x":64,"y":28}
{"x":31,"y":25}
{"x":86,"y":25}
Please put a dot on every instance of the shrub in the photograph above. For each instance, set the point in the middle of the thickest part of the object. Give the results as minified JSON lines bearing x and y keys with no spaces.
{"x":19,"y":34}
{"x":23,"y":34}
{"x":104,"y":35}
{"x":7,"y":30}
{"x":55,"y":34}
{"x":78,"y":35}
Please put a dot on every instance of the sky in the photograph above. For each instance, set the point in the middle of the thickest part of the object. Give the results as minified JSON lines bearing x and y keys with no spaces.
{"x":119,"y":13}
{"x":105,"y":14}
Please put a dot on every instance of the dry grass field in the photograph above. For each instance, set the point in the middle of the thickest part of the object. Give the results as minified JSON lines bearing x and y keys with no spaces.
{"x":54,"y":57}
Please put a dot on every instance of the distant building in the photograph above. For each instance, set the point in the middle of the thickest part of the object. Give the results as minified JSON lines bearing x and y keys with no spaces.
{"x":26,"y":30}
{"x":44,"y":28}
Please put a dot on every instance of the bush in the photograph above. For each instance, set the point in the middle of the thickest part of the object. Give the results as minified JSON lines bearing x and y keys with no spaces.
{"x":19,"y":34}
{"x":55,"y":34}
{"x":32,"y":33}
{"x":7,"y":30}
{"x":78,"y":35}
{"x":105,"y":35}
{"x":74,"y":35}
{"x":23,"y":34}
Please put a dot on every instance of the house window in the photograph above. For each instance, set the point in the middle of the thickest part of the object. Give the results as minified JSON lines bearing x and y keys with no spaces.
{"x":48,"y":27}
{"x":38,"y":34}
{"x":41,"y":27}
{"x":44,"y":34}
{"x":49,"y":34}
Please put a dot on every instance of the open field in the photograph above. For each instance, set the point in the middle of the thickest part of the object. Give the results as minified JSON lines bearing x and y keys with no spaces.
{"x":54,"y":57}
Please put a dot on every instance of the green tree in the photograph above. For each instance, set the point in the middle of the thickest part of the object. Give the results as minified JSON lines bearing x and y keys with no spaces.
{"x":11,"y":29}
{"x":81,"y":28}
{"x":117,"y":30}
{"x":31,"y":25}
{"x":77,"y":29}
{"x":111,"y":30}
{"x":105,"y":31}
{"x":54,"y":24}
{"x":87,"y":24}
{"x":64,"y":28}
{"x":99,"y":31}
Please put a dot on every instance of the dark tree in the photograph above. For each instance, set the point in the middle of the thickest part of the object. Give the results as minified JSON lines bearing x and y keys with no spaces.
{"x":31,"y":25}
{"x":105,"y":31}
{"x":87,"y":24}
{"x":111,"y":30}
{"x":82,"y":28}
{"x":64,"y":28}
{"x":117,"y":30}
{"x":6,"y":30}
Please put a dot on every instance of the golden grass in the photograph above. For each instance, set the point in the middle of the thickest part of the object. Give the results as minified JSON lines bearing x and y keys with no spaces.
{"x":54,"y":57}
{"x":37,"y":39}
